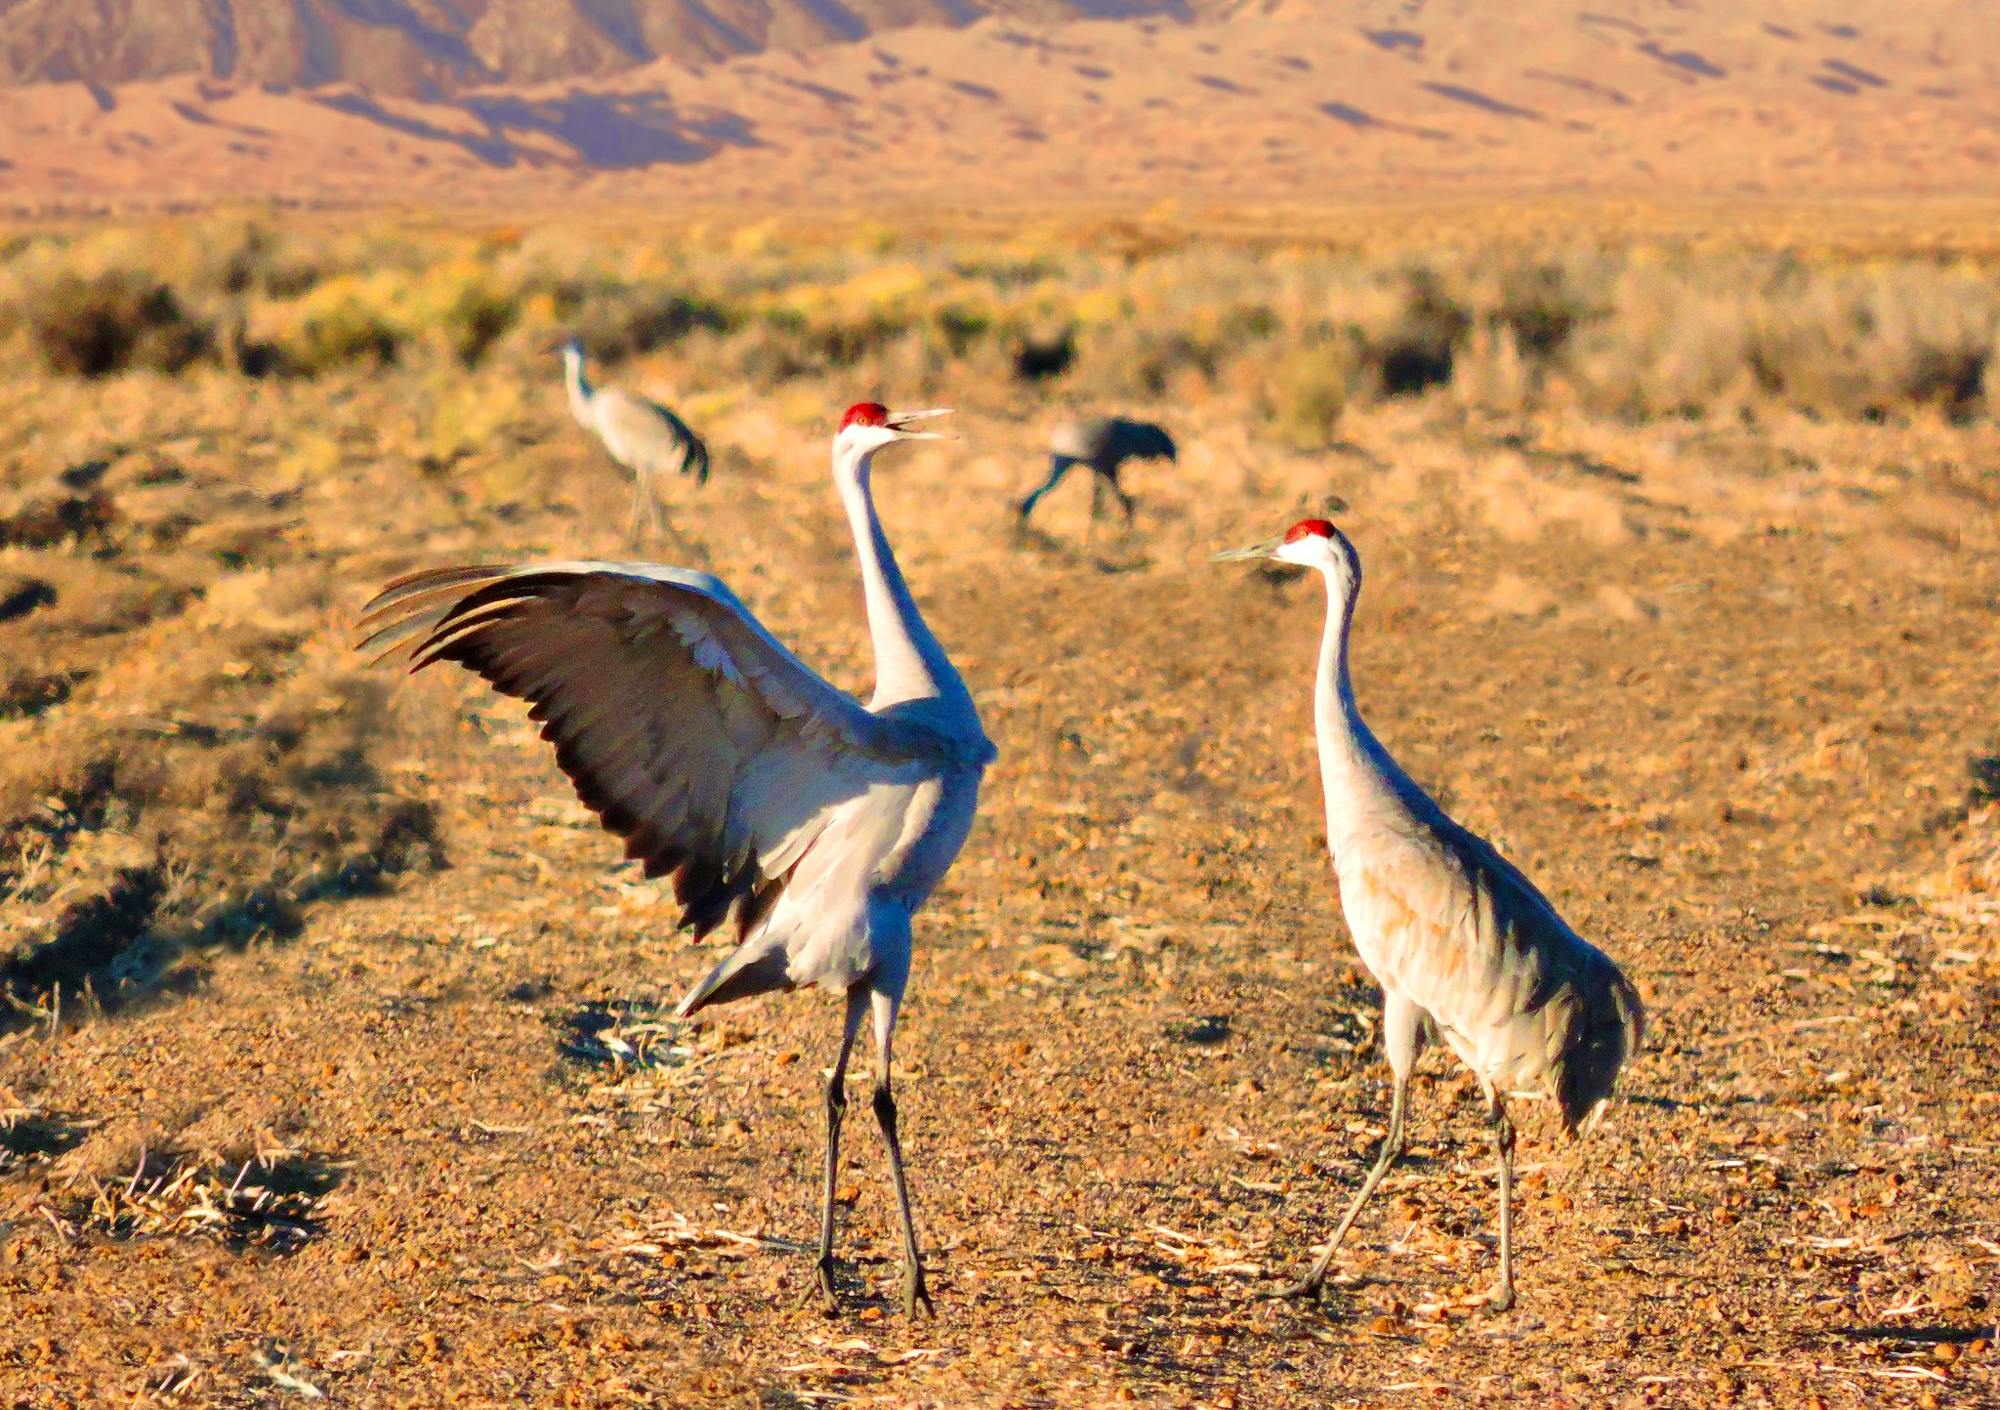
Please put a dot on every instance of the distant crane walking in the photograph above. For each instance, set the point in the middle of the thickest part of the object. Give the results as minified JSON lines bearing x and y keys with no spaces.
{"x":1104,"y":443}
{"x":818,"y":823}
{"x":640,"y":434}
{"x":1448,"y":927}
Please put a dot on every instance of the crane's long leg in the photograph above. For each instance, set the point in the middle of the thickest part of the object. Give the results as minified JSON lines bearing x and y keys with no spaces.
{"x":1125,"y":501}
{"x":645,"y":507}
{"x":836,"y":1107}
{"x":1058,"y":467}
{"x":1503,"y":1148}
{"x":639,"y":497}
{"x":652,"y":504}
{"x":1399,"y":1043}
{"x":914,"y":1290}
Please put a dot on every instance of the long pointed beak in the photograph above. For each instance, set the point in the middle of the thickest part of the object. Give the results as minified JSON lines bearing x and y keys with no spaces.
{"x":898,"y":422}
{"x":1267,"y":549}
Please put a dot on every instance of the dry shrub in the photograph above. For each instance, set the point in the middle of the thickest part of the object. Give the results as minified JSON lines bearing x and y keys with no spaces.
{"x":243,"y":258}
{"x":470,"y":312}
{"x":1417,"y":351}
{"x":93,"y":326}
{"x":1310,"y":389}
{"x":617,"y":321}
{"x":344,"y":321}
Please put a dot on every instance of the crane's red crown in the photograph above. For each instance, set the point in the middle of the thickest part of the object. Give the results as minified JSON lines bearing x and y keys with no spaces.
{"x":1305,"y":528}
{"x":865,"y":413}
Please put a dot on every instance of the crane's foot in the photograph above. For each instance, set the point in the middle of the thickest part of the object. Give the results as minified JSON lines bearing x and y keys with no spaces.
{"x":1305,"y":1289}
{"x":1501,"y":1299}
{"x":820,"y":1287}
{"x":914,"y":1292}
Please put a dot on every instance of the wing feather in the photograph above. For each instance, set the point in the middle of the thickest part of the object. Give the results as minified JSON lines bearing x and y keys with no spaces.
{"x":691,"y":731}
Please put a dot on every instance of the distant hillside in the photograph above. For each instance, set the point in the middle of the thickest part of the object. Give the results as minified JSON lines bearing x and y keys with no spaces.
{"x":427,"y":48}
{"x":1003,"y":100}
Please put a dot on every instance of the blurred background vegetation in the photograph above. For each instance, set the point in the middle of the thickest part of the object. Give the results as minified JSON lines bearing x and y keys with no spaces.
{"x":1613,"y":319}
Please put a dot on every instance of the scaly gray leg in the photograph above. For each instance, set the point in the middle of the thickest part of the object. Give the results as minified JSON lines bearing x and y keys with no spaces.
{"x":886,"y":1000}
{"x":1399,"y":1042}
{"x":1125,"y":501}
{"x":914,"y":1290}
{"x":634,"y":534}
{"x":836,"y":1107}
{"x":1503,"y":1147}
{"x":1058,"y":467}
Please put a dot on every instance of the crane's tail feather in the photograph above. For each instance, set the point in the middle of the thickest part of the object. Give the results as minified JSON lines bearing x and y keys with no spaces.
{"x":750,"y":971}
{"x":1613,"y":1026}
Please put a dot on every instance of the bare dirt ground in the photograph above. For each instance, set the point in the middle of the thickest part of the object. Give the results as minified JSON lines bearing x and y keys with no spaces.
{"x":391,"y":1112}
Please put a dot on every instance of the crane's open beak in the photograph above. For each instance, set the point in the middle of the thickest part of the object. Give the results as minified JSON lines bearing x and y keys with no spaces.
{"x":1267,"y":549}
{"x":899,"y":423}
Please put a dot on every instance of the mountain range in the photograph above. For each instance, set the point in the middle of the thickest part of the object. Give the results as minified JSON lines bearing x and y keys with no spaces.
{"x":127,"y":104}
{"x":430,"y":48}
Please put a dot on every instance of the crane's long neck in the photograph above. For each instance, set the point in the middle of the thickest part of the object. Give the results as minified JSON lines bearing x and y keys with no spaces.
{"x":909,"y":662}
{"x":1355,"y":770}
{"x":579,"y":389}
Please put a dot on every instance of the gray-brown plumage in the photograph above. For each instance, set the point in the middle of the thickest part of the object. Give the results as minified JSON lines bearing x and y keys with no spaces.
{"x":1105,"y":444}
{"x":817,"y":823}
{"x":641,"y":435}
{"x":1449,"y":928}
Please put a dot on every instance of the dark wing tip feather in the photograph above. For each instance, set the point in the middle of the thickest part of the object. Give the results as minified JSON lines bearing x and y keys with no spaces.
{"x":461,"y":614}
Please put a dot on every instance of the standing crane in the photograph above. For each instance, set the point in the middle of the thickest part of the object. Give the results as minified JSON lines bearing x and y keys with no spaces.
{"x":1448,"y":927}
{"x":817,"y":823}
{"x":640,"y":434}
{"x":1104,"y":443}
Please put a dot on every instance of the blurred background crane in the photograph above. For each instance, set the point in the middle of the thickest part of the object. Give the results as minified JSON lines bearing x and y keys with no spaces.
{"x":640,"y":434}
{"x":1105,"y":444}
{"x":1449,"y":928}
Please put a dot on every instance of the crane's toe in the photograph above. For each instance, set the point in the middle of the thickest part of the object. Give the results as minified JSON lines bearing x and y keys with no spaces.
{"x":821,"y":1286}
{"x":1306,"y":1289}
{"x":915,"y":1291}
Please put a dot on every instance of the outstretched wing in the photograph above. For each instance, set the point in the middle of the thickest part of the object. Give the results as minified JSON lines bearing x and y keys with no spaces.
{"x":688,"y":728}
{"x":646,"y":436}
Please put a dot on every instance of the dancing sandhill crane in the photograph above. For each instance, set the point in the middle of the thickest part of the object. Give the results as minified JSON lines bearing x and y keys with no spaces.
{"x":1104,"y":443}
{"x":1448,"y":927}
{"x":638,"y":433}
{"x":817,"y":823}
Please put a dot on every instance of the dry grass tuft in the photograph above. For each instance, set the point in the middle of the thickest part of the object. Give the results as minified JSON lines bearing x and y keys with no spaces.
{"x":267,"y":1199}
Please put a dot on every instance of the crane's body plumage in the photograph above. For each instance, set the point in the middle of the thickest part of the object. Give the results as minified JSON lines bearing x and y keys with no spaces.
{"x":1448,"y":927}
{"x":640,"y":434}
{"x":1442,"y":919}
{"x":774,"y":799}
{"x":1105,"y":444}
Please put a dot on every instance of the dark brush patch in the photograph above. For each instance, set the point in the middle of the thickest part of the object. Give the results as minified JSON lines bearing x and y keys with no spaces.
{"x":20,"y":596}
{"x":49,"y":523}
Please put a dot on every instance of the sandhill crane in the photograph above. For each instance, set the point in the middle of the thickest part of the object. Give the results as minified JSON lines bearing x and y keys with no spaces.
{"x":640,"y":434}
{"x":1104,"y":443}
{"x":818,"y":823}
{"x":1448,"y":927}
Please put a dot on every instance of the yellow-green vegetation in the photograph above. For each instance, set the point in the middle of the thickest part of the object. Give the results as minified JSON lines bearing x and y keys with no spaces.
{"x":1605,"y":316}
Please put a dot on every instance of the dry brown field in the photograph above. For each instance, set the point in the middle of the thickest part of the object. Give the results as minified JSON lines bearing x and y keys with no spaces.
{"x":339,"y":1062}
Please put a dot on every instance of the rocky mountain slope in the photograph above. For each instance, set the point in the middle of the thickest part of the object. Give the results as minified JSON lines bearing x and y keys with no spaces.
{"x":426,"y":48}
{"x":1271,"y":100}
